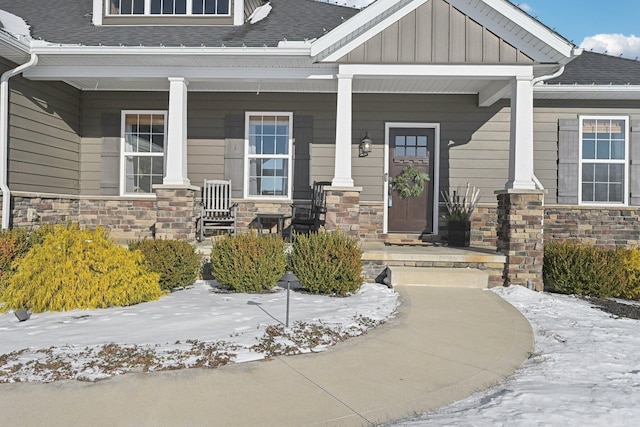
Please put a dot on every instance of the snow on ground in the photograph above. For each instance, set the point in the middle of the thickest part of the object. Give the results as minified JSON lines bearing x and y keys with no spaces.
{"x":585,"y":371}
{"x":180,"y":328}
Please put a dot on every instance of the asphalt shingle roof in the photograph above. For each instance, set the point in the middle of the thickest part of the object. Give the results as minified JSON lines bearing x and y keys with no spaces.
{"x":69,"y":22}
{"x":599,"y":69}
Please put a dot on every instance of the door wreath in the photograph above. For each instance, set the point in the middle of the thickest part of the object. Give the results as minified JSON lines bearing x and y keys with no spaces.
{"x":410,"y":182}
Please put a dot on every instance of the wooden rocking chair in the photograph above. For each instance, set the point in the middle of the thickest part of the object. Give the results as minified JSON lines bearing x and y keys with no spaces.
{"x":216,"y":210}
{"x":309,"y":217}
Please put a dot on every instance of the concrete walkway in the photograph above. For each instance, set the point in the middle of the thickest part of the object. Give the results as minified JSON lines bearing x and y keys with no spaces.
{"x":445,"y":344}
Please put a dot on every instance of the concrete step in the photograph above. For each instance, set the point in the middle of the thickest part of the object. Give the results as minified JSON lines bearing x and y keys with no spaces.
{"x":436,"y":276}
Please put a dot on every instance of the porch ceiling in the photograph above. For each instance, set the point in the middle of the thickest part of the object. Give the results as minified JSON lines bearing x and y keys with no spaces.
{"x":310,"y":84}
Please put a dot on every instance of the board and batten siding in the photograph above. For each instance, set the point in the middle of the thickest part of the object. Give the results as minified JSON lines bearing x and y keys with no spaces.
{"x":548,"y":116}
{"x":44,"y":135}
{"x":436,"y":32}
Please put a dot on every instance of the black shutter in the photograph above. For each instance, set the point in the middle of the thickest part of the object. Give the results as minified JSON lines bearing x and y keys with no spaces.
{"x":303,"y":136}
{"x":568,"y":161}
{"x":110,"y":154}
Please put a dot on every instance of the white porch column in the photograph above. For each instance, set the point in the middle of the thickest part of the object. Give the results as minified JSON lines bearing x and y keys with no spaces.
{"x":176,"y":155}
{"x":521,"y":139}
{"x":342,"y":172}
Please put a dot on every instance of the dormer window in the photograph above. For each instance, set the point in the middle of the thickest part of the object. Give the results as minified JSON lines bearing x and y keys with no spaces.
{"x":169,"y":7}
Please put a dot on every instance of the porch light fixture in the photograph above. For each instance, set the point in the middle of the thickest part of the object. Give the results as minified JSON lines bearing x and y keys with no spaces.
{"x":365,"y":146}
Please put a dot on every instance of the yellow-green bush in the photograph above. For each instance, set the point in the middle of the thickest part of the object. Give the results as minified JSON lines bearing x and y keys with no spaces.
{"x":175,"y":260}
{"x":248,"y":262}
{"x":14,"y":244}
{"x":327,"y":263}
{"x":570,"y":268}
{"x":79,"y":269}
{"x":631,"y":261}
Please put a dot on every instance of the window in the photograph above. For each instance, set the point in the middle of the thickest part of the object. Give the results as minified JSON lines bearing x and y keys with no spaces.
{"x":143,"y":143}
{"x":268,"y":155}
{"x":603,"y":160}
{"x":169,"y":7}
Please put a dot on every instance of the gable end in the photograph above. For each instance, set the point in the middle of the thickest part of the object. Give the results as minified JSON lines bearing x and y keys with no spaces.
{"x":436,"y":32}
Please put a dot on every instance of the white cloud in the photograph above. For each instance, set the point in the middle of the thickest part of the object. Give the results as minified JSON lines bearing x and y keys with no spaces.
{"x":526,"y":8}
{"x":613,"y":44}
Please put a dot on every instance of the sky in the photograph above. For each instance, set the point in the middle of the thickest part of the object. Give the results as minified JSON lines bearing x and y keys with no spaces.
{"x":611,"y":26}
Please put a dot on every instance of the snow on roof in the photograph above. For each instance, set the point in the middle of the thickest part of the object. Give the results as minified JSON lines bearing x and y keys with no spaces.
{"x":14,"y":25}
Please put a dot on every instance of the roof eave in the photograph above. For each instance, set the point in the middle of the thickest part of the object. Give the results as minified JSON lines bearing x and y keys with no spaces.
{"x":611,"y":92}
{"x":12,"y":48}
{"x":284,"y":49}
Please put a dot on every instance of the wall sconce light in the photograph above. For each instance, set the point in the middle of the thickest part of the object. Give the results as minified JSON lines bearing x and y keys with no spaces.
{"x":365,"y":146}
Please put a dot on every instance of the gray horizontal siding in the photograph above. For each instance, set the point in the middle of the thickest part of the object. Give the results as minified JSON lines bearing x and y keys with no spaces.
{"x":546,"y":117}
{"x":474,"y":141}
{"x":44,"y":136}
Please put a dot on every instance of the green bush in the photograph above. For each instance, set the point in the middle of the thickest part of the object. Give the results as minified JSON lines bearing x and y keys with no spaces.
{"x":79,"y":269}
{"x":175,"y":260}
{"x":248,"y":262}
{"x":570,"y":268}
{"x":327,"y":263}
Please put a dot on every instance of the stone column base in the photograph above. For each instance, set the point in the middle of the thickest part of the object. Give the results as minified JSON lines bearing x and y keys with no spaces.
{"x":343,"y":210}
{"x":178,"y":210}
{"x":520,"y":236}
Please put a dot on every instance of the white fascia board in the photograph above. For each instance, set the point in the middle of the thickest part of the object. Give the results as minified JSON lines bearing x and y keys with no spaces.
{"x":47,"y":72}
{"x":360,"y":20}
{"x":449,"y":71}
{"x":285,"y":50}
{"x":616,"y":92}
{"x":19,"y":45}
{"x":522,"y":20}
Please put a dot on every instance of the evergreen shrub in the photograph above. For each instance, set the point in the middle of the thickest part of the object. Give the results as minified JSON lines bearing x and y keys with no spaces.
{"x":14,"y":244}
{"x":570,"y":268}
{"x":327,"y":263}
{"x":175,"y":260}
{"x":79,"y":269}
{"x":248,"y":262}
{"x":631,"y":261}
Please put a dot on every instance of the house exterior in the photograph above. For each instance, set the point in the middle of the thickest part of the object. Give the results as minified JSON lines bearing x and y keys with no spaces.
{"x":115,"y":111}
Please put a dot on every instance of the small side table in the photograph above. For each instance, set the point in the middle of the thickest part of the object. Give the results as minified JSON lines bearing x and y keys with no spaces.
{"x":271,"y":219}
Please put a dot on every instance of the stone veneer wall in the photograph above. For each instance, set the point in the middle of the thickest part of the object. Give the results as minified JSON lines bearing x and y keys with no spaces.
{"x":604,"y":227}
{"x":371,"y":218}
{"x":125,"y":217}
{"x":177,"y":211}
{"x":343,"y":210}
{"x":520,"y":236}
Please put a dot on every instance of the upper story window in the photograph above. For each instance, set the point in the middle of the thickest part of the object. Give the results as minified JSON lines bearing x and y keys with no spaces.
{"x":604,"y":159}
{"x":169,"y":7}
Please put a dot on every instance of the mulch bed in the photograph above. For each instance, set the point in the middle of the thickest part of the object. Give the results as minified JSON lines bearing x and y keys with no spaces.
{"x":615,"y":308}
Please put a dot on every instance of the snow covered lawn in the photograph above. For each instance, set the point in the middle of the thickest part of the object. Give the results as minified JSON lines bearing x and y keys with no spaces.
{"x":585,"y":371}
{"x":199,"y":326}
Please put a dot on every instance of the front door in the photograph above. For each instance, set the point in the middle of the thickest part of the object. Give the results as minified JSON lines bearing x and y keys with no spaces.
{"x":411,"y":147}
